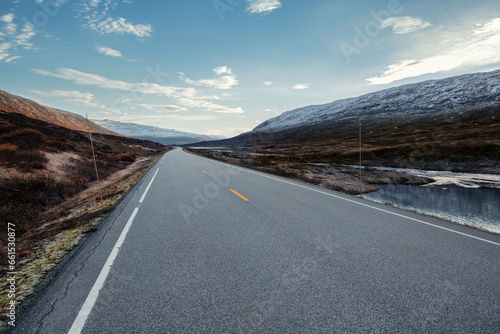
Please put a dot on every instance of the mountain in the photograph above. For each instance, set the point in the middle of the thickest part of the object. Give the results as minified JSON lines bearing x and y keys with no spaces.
{"x":449,"y":124}
{"x":426,"y":99}
{"x":15,"y":104}
{"x":153,"y":133}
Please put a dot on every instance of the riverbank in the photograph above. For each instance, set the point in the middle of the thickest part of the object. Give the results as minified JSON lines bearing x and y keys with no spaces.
{"x":464,"y":198}
{"x":341,"y":178}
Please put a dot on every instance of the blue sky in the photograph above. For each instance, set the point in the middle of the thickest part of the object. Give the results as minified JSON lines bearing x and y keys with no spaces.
{"x":222,"y":66}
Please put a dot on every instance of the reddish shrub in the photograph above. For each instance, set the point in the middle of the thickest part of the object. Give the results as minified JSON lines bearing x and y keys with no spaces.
{"x":58,"y":145}
{"x":11,"y":156}
{"x":128,"y":157}
{"x":24,"y":138}
{"x":24,"y":199}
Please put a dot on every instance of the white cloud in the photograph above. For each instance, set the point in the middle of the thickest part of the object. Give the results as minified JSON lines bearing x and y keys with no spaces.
{"x":220,"y":82}
{"x":209,"y":106}
{"x":74,"y":94}
{"x":167,"y":107}
{"x":300,"y":86}
{"x":268,"y":83}
{"x":187,"y":97}
{"x":121,"y":26}
{"x":229,"y":131}
{"x":160,"y":118}
{"x":413,"y":68}
{"x":9,"y":28}
{"x":405,"y":24}
{"x":94,"y":3}
{"x":81,"y":78}
{"x":222,"y":70}
{"x":76,"y":97}
{"x":491,"y":27}
{"x":476,"y":48}
{"x":96,"y":15}
{"x":11,"y":40}
{"x":262,"y":6}
{"x":109,"y":52}
{"x":27,"y":33}
{"x":7,"y":17}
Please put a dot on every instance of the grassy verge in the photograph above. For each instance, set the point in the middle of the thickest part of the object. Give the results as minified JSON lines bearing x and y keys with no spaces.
{"x":39,"y":250}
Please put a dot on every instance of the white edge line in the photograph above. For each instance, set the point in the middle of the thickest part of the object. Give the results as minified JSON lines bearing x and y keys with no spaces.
{"x":149,"y":185}
{"x":82,"y":316}
{"x":356,"y":202}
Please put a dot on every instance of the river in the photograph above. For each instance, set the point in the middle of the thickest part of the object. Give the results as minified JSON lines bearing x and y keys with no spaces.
{"x":468,"y":199}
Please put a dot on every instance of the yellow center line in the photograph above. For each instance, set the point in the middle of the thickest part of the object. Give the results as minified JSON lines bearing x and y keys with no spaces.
{"x":239,"y":195}
{"x":192,"y":164}
{"x":204,"y":171}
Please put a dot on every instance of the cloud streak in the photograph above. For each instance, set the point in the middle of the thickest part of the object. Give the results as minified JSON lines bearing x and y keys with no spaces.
{"x":76,"y":97}
{"x":223,"y":82}
{"x":479,"y":48}
{"x":300,"y":86}
{"x":109,"y":52}
{"x":262,"y":6}
{"x":11,"y":40}
{"x":163,"y":107}
{"x":82,"y":78}
{"x":186,"y":97}
{"x":96,"y":15}
{"x":120,"y":26}
{"x":163,"y":118}
{"x":404,"y":25}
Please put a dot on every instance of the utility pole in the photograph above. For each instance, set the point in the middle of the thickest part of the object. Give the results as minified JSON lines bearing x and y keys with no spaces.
{"x":360,"y":157}
{"x":93,"y":156}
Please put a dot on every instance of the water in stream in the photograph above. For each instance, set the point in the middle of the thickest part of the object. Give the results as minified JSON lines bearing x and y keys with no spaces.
{"x":469,"y":206}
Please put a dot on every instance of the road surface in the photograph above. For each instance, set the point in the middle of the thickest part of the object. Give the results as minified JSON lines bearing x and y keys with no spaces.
{"x":202,"y":247}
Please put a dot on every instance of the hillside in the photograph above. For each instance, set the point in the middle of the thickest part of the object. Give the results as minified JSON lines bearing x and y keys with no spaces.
{"x":153,"y":133}
{"x":16,"y":104}
{"x":450,"y":124}
{"x":50,"y":193}
{"x":428,"y":99}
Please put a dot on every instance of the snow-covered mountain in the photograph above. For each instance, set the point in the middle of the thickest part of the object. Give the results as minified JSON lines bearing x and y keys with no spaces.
{"x":429,"y":98}
{"x":153,"y":133}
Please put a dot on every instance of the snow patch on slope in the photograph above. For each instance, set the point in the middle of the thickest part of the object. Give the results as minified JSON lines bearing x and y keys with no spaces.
{"x":138,"y":131}
{"x":456,"y":94}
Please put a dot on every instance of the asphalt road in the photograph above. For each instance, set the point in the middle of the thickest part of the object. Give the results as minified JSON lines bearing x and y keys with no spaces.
{"x":202,"y":247}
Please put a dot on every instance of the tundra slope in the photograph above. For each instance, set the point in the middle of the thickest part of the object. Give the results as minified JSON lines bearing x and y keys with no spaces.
{"x":450,"y":124}
{"x":16,"y":104}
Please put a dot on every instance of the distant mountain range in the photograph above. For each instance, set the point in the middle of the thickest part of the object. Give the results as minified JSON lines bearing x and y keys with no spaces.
{"x":15,"y":104}
{"x":153,"y":133}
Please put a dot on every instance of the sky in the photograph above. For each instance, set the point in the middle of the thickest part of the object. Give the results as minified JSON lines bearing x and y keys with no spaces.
{"x":221,"y":67}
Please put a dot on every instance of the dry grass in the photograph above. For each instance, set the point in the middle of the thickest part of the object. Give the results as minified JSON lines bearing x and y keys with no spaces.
{"x":335,"y":177}
{"x":459,"y":142}
{"x":44,"y":247}
{"x":49,"y":190}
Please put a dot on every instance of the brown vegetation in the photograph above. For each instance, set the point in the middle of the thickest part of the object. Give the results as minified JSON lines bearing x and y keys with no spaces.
{"x":460,"y":142}
{"x":29,"y":189}
{"x":336,"y":177}
{"x":48,"y":186}
{"x":15,"y":104}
